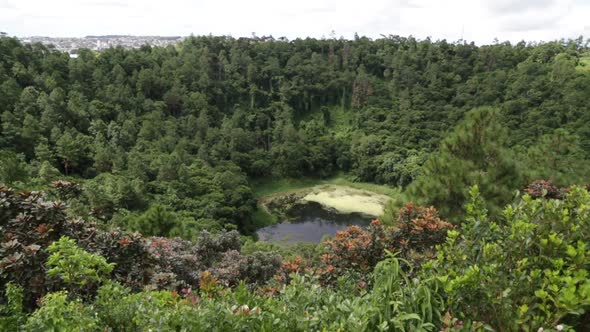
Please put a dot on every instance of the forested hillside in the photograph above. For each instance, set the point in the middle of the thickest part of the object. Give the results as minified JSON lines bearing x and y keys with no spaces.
{"x":179,"y":130}
{"x":168,"y":142}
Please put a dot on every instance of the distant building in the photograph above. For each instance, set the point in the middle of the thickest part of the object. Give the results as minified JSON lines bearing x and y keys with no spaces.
{"x":100,"y":43}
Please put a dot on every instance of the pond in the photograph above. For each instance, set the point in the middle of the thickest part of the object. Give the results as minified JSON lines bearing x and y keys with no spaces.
{"x":310,"y":223}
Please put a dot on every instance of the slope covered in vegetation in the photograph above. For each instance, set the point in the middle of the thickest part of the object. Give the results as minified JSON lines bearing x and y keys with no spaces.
{"x":171,"y":142}
{"x":184,"y":127}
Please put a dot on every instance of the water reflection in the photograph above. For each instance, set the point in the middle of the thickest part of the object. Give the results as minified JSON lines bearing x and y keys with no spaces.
{"x":309,"y":224}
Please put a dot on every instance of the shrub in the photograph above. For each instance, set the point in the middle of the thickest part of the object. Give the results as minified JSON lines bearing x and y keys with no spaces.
{"x":12,"y":315}
{"x":525,"y":271}
{"x":79,"y":270}
{"x":134,"y":264}
{"x":177,"y":263}
{"x":28,"y":224}
{"x":57,"y":313}
{"x":65,"y":190}
{"x":256,"y":268}
{"x":354,"y":249}
{"x":419,"y":228}
{"x":543,"y":188}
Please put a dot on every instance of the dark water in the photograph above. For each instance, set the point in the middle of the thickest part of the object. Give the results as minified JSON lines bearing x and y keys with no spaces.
{"x":310,"y":223}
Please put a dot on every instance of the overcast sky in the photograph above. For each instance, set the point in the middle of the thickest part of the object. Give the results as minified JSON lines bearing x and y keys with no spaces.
{"x":476,"y":20}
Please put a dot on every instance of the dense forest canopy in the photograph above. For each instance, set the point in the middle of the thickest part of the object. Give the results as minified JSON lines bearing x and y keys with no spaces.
{"x":168,"y":142}
{"x":185,"y":127}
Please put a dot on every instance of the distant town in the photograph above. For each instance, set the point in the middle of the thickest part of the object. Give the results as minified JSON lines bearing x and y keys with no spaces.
{"x":99,"y":43}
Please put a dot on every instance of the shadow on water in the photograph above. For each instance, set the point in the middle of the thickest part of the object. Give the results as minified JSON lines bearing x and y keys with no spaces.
{"x":310,"y":223}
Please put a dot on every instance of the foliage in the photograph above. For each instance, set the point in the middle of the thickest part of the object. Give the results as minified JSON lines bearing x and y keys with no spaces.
{"x":543,"y":188}
{"x":38,"y":233}
{"x":420,"y":226}
{"x":258,"y":267}
{"x":32,"y":223}
{"x":186,"y":127}
{"x":12,"y":168}
{"x":417,"y":231}
{"x":12,"y":315}
{"x":302,"y":305}
{"x":355,"y":249}
{"x":78,"y":269}
{"x":534,"y":259}
{"x":57,"y":313}
{"x":66,"y":190}
{"x":558,"y":157}
{"x":156,"y":221}
{"x":167,"y":141}
{"x":404,"y":305}
{"x":29,"y":224}
{"x":474,"y":153}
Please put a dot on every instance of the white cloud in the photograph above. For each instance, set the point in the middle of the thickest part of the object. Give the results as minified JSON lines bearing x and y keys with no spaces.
{"x":511,"y":6}
{"x":478,"y":20}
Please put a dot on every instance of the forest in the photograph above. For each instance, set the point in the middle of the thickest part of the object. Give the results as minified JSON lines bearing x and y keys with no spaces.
{"x":128,"y":185}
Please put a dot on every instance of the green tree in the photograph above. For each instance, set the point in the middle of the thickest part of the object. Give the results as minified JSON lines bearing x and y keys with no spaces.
{"x":48,"y":173}
{"x":475,"y":152}
{"x":557,"y":157}
{"x":72,"y":149}
{"x":12,"y":167}
{"x":156,"y":221}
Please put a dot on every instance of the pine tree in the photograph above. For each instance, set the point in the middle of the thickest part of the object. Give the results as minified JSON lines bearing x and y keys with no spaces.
{"x":475,"y":152}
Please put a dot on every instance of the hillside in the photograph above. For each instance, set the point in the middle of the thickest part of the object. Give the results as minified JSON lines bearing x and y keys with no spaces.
{"x":136,"y":175}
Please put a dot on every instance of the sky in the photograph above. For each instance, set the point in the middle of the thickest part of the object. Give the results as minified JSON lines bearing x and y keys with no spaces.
{"x":481,"y":21}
